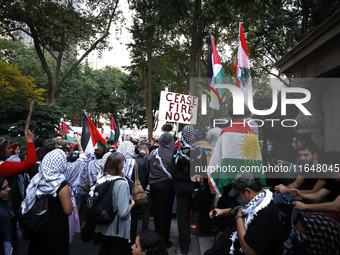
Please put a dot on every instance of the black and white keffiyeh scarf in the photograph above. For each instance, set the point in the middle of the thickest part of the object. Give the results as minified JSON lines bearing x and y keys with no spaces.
{"x":128,"y":150}
{"x":188,"y":148}
{"x":323,"y":233}
{"x":184,"y":144}
{"x":250,"y":210}
{"x":47,"y":181}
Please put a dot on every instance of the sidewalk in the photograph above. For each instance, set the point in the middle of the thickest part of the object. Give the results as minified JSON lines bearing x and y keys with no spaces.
{"x":197,"y":247}
{"x":198,"y":244}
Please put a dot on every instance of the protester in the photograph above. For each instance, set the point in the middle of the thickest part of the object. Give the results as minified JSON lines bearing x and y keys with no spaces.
{"x":185,"y":183}
{"x":15,"y":151}
{"x":161,"y":185}
{"x":94,"y":165}
{"x":329,"y":194}
{"x":149,"y":243}
{"x":58,"y":138}
{"x":7,"y":231}
{"x":309,"y":157}
{"x":258,"y":225}
{"x":53,"y":236}
{"x":153,"y":145}
{"x":49,"y":145}
{"x":116,"y":234}
{"x":143,"y":175}
{"x":128,"y":150}
{"x":316,"y":234}
{"x":10,"y":169}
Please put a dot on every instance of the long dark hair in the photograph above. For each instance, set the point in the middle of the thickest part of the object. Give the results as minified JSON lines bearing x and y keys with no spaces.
{"x":112,"y":164}
{"x":3,"y":145}
{"x":152,"y":242}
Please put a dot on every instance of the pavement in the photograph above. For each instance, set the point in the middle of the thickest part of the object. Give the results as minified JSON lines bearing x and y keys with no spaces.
{"x":197,"y":247}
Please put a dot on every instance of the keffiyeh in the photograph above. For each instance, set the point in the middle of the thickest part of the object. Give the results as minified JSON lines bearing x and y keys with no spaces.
{"x":128,"y":150}
{"x":323,"y":233}
{"x":188,"y":148}
{"x":184,"y":148}
{"x":47,"y":181}
{"x":250,"y":210}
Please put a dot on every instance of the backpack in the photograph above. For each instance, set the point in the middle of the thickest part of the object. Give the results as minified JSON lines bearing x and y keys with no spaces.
{"x":100,"y":208}
{"x":37,"y":216}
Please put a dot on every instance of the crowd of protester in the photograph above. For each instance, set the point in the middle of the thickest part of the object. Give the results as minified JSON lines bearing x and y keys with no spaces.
{"x":292,"y":214}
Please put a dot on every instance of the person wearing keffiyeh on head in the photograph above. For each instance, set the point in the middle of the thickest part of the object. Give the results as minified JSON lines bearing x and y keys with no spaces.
{"x":161,"y":185}
{"x":128,"y":150}
{"x":188,"y":152}
{"x":53,"y":237}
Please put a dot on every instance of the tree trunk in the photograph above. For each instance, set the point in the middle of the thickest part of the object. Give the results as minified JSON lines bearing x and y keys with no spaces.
{"x":149,"y":106}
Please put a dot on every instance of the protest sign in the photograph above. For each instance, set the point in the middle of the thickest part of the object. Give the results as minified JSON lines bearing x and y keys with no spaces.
{"x":174,"y":107}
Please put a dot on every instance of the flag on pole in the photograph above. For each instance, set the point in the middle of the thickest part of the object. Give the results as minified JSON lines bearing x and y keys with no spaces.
{"x":237,"y":149}
{"x":112,"y":133}
{"x":242,"y":66}
{"x":68,"y":134}
{"x":117,"y":131}
{"x":91,"y":137}
{"x":60,"y":132}
{"x":216,"y":73}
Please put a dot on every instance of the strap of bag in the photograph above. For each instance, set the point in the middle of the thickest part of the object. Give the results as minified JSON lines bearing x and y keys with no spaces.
{"x":161,"y":163}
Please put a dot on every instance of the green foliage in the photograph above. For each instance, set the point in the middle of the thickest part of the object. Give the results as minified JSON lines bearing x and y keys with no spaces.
{"x":26,"y":59}
{"x":58,"y":27}
{"x":102,"y":93}
{"x":44,"y":121}
{"x":16,"y":87}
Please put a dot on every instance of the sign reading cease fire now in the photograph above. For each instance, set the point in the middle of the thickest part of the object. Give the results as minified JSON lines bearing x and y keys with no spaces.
{"x":174,"y":107}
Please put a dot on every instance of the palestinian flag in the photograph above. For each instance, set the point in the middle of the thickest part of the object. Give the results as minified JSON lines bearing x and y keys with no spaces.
{"x":60,"y":132}
{"x":117,"y":131}
{"x":216,"y":73}
{"x":67,"y":133}
{"x":91,"y":137}
{"x":112,"y":133}
{"x":237,"y":150}
{"x":242,"y":66}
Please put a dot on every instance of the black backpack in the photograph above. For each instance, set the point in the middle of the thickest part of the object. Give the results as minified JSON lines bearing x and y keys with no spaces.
{"x":100,"y":208}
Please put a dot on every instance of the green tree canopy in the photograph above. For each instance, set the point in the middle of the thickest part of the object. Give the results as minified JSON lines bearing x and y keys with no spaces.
{"x":58,"y":27}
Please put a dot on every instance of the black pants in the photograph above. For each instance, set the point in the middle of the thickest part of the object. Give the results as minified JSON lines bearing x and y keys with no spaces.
{"x":111,"y":245}
{"x":162,"y":197}
{"x":183,"y":191}
{"x":135,"y":212}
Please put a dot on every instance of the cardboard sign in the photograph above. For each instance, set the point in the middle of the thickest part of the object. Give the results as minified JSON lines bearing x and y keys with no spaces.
{"x":174,"y":107}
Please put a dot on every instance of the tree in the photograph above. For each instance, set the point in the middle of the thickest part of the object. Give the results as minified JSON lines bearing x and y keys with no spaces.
{"x":26,"y":59}
{"x":44,"y":121}
{"x":16,"y":87}
{"x":102,"y":93}
{"x":153,"y":20}
{"x":58,"y":27}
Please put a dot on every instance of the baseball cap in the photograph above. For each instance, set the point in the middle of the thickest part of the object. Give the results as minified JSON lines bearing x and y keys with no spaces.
{"x":242,"y":180}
